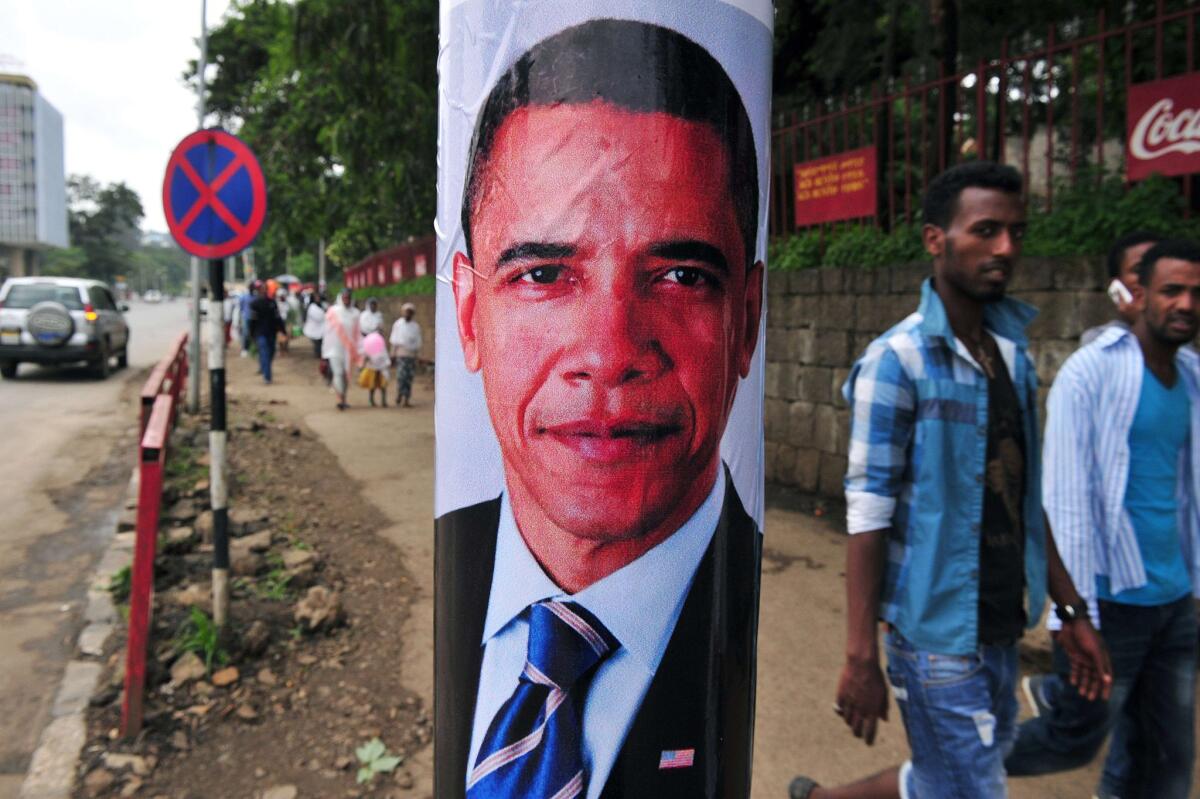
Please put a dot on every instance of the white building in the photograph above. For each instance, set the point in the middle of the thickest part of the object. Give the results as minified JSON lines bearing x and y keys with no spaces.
{"x":33,"y":189}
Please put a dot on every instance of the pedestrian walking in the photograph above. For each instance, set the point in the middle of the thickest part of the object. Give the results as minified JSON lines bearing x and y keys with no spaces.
{"x":340,"y":344}
{"x":1122,"y":490}
{"x":265,"y":325}
{"x":405,"y":339}
{"x":374,"y":374}
{"x":371,"y":319}
{"x":244,"y":300}
{"x":943,"y":503}
{"x":314,"y":323}
{"x":286,"y":317}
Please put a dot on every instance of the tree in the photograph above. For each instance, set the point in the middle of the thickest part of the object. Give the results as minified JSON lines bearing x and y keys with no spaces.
{"x":104,"y":225}
{"x":338,"y":99}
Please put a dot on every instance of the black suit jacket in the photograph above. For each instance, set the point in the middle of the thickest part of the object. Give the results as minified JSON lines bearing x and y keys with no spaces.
{"x":701,"y":697}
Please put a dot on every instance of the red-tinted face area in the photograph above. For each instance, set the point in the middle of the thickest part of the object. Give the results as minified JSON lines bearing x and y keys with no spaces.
{"x":1172,"y":308}
{"x":609,"y":308}
{"x":978,"y":250}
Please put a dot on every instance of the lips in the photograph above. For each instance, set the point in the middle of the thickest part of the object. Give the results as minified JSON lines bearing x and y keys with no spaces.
{"x":605,"y":441}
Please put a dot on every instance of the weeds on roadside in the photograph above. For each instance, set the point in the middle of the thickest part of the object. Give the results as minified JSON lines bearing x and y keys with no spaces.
{"x":200,"y":635}
{"x":119,"y":584}
{"x":375,"y":760}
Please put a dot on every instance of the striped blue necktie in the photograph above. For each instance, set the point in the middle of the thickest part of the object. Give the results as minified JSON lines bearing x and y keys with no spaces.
{"x":533,"y":747}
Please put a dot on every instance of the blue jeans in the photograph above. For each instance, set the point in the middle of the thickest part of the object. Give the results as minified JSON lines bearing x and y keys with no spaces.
{"x":1150,"y":711}
{"x":266,"y":353}
{"x":960,"y":713}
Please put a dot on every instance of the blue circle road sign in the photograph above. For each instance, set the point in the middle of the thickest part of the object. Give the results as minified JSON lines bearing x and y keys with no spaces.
{"x":214,"y":194}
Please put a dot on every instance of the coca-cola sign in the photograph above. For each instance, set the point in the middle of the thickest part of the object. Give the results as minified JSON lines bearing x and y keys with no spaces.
{"x":1163,"y":134}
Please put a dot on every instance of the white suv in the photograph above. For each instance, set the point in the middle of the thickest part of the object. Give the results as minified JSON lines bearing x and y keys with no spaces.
{"x":58,"y":320}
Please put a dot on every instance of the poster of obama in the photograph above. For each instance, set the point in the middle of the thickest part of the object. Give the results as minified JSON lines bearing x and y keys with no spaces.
{"x":601,"y":222}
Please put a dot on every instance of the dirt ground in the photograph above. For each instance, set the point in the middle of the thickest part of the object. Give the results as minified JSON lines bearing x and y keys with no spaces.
{"x":356,"y":487}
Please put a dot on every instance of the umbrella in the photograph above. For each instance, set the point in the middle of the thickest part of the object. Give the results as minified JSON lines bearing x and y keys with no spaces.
{"x":286,"y":279}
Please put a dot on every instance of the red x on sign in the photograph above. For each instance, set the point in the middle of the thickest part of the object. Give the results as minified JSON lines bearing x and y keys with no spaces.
{"x":214,"y":194}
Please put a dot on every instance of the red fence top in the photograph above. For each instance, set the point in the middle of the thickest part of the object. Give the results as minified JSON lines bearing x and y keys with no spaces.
{"x":159,"y":426}
{"x":394,"y":265}
{"x":158,"y":375}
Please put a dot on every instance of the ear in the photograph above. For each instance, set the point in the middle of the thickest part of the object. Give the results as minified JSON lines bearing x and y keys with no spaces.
{"x":934,"y":239}
{"x":1139,"y":298}
{"x":752,"y":304}
{"x":464,"y":309}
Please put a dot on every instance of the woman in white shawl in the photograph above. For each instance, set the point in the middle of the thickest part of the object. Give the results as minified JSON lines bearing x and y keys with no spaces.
{"x":340,"y":344}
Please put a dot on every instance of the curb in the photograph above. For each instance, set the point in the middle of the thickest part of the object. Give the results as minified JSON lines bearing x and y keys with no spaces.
{"x":54,"y":764}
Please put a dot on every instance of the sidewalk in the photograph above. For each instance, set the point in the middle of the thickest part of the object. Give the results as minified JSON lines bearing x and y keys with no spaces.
{"x":389,"y":452}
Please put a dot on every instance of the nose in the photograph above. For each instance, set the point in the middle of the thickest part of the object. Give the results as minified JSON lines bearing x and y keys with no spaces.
{"x":615,"y":344}
{"x":1006,"y":244}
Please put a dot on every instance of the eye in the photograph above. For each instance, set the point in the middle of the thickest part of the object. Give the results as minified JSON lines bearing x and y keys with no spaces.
{"x":542,"y":275}
{"x":688,"y":276}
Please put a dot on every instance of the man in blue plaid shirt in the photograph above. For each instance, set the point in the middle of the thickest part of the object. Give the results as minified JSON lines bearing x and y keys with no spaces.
{"x":948,"y":543}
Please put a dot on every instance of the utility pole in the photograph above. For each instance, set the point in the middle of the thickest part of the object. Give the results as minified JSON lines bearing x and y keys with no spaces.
{"x":321,"y":261}
{"x":193,"y":388}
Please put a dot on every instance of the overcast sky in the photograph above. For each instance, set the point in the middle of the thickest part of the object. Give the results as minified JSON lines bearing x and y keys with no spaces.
{"x":112,"y":69}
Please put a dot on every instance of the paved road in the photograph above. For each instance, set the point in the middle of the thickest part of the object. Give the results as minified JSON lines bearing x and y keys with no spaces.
{"x":67,"y":457}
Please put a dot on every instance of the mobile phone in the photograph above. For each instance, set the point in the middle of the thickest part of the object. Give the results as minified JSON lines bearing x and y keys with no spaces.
{"x":1118,"y":293}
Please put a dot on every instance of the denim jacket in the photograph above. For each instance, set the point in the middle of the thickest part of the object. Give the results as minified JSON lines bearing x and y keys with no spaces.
{"x":918,"y":450}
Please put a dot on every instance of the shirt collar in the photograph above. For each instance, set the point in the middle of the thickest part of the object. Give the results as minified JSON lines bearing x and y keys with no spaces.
{"x":1008,"y":317}
{"x":639,"y":603}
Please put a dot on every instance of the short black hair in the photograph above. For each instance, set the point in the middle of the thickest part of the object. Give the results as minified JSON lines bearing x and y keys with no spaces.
{"x":1116,"y":253}
{"x":1179,"y":249}
{"x":635,"y":66}
{"x":941,"y":197}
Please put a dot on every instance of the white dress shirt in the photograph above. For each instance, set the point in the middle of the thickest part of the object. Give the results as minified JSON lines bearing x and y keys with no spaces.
{"x":639,"y":604}
{"x":406,"y":338}
{"x":1089,"y":412}
{"x":369,"y":322}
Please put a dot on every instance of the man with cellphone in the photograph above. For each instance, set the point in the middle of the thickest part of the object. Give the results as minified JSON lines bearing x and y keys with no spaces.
{"x":1122,"y":491}
{"x":1123,"y":258}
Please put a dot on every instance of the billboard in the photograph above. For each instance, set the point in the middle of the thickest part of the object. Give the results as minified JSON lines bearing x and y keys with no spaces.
{"x":601,"y":237}
{"x":1163,"y":127}
{"x":837,"y":187}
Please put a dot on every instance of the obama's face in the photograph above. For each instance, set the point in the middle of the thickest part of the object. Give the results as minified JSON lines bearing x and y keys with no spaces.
{"x":610,"y":310}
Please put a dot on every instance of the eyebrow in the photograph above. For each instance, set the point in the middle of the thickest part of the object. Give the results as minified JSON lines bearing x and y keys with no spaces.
{"x":691,"y":250}
{"x":535,"y":249}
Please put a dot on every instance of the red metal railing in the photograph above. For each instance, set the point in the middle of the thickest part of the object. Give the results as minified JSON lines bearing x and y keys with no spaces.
{"x":169,"y":376}
{"x":159,"y":402}
{"x":1053,"y":111}
{"x":402,"y":262}
{"x":152,"y":453}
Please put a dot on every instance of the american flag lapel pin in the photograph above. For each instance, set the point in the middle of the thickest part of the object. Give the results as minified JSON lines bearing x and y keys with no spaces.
{"x":676,"y":758}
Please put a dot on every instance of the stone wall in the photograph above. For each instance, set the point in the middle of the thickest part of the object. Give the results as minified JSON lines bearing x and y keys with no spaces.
{"x":820,"y":320}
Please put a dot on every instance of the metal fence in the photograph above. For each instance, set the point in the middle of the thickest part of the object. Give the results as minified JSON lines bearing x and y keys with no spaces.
{"x":1056,"y":111}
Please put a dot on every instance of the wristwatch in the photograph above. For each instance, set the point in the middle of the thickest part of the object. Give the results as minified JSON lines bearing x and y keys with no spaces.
{"x":1069,"y":613}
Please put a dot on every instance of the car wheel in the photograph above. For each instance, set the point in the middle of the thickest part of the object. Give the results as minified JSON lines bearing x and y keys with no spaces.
{"x":123,"y":358}
{"x":9,"y":369}
{"x":100,"y":367}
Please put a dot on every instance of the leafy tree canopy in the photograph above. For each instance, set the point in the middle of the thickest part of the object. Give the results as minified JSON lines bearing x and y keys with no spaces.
{"x":338,"y":98}
{"x":104,"y":227}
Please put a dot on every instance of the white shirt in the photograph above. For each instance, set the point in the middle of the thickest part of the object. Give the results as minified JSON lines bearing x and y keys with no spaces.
{"x":639,"y":604}
{"x":406,"y":336}
{"x":331,"y":342}
{"x":314,"y":322}
{"x":369,"y":321}
{"x":1089,"y":412}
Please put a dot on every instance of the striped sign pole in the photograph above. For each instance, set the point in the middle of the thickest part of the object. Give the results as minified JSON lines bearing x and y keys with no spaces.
{"x":217,"y":440}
